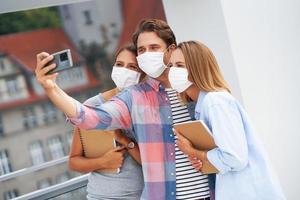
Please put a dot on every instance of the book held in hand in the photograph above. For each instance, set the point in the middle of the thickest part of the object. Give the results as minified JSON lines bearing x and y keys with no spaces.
{"x":201,"y":138}
{"x":96,"y":143}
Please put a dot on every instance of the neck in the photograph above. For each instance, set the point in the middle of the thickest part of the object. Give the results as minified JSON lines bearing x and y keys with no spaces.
{"x":164,"y":80}
{"x":193,"y":92}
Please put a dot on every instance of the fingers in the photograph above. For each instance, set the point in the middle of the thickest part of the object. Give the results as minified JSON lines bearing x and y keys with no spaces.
{"x":45,"y":78}
{"x":42,"y":60}
{"x":196,"y":163}
{"x":178,"y":134}
{"x":41,"y":56}
{"x":46,"y":69}
{"x":120,"y":149}
{"x":46,"y":60}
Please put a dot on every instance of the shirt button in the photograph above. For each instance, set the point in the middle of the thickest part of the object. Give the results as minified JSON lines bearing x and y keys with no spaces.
{"x":171,"y":135}
{"x":172,"y":154}
{"x":172,"y":174}
{"x":172,"y":193}
{"x":169,"y":117}
{"x":166,"y":98}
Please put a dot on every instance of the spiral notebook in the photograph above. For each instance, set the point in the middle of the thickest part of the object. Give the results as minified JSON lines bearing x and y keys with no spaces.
{"x":96,"y":143}
{"x":201,"y":138}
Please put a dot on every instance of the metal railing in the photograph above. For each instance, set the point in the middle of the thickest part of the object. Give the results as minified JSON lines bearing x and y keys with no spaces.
{"x":51,"y":191}
{"x":34,"y":168}
{"x":56,"y":190}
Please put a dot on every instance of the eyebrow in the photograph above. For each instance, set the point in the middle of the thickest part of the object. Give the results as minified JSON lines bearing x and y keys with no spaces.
{"x":179,"y":62}
{"x":133,"y":64}
{"x":154,"y":45}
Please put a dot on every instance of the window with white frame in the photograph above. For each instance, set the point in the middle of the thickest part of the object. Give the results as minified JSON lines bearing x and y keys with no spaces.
{"x":36,"y":152}
{"x":5,"y":166}
{"x":11,"y":194}
{"x":56,"y":147}
{"x":44,"y":183}
{"x":50,"y":113}
{"x":29,"y":118}
{"x":12,"y":87}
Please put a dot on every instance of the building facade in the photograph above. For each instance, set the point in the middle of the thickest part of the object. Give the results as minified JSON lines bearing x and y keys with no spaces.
{"x":32,"y":130}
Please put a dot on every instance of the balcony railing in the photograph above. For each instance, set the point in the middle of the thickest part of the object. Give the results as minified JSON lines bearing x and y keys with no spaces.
{"x":51,"y":191}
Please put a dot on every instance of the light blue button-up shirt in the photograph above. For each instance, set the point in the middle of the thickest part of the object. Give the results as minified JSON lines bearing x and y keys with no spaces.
{"x":245,"y":172}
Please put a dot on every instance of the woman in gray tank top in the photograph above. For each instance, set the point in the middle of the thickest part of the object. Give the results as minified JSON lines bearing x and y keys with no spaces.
{"x":128,"y":183}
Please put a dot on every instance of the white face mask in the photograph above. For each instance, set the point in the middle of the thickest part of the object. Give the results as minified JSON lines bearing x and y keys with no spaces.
{"x":152,"y":63}
{"x":178,"y":78}
{"x":124,"y":77}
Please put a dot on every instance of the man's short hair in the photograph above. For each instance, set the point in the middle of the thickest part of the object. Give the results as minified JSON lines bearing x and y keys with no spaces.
{"x":160,"y":27}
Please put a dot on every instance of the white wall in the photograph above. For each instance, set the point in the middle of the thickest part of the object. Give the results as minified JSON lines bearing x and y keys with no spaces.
{"x":257,"y":44}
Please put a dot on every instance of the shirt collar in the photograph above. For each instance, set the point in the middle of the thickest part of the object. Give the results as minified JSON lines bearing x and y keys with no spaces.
{"x":155,"y":84}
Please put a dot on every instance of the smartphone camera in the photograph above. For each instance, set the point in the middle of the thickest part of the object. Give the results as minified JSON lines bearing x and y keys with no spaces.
{"x":63,"y":57}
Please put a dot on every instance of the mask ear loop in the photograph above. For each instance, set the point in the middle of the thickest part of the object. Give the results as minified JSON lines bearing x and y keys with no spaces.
{"x":166,"y":65}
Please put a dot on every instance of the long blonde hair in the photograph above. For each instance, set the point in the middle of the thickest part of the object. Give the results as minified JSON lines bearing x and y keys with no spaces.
{"x":202,"y":66}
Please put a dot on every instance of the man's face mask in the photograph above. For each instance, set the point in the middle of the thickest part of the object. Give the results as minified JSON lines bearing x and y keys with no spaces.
{"x":152,"y":63}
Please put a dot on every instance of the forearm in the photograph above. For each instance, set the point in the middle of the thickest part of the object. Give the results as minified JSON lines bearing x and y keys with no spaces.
{"x":62,"y":101}
{"x":85,"y":165}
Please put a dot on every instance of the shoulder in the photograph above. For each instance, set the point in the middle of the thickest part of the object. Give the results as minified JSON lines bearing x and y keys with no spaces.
{"x":218,"y":98}
{"x":95,"y":100}
{"x":211,"y":99}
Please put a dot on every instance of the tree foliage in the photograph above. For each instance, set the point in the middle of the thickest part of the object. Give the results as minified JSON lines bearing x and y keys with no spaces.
{"x":29,"y":20}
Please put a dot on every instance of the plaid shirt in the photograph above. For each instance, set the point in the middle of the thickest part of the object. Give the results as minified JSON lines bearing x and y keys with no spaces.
{"x":145,"y":111}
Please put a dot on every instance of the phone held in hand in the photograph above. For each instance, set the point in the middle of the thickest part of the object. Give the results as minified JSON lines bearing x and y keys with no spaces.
{"x":62,"y":59}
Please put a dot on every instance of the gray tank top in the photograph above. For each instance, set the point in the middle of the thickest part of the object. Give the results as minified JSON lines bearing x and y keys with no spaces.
{"x":128,"y":184}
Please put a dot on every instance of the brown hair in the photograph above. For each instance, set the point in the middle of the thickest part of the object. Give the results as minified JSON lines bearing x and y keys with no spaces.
{"x":160,"y":27}
{"x":202,"y":66}
{"x":129,"y":47}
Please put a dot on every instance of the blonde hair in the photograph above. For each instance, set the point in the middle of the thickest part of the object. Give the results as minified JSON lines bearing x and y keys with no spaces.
{"x":202,"y":66}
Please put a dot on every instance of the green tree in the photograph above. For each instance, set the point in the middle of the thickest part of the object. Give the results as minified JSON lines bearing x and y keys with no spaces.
{"x":29,"y":20}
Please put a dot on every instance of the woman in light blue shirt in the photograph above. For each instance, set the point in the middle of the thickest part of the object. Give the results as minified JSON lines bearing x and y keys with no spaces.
{"x":244,"y":169}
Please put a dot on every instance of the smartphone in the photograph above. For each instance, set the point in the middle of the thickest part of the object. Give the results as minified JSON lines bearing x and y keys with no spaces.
{"x":62,"y":59}
{"x":116,"y":144}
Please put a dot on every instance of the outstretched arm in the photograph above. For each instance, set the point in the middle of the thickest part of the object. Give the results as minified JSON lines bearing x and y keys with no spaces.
{"x":111,"y":115}
{"x":62,"y":101}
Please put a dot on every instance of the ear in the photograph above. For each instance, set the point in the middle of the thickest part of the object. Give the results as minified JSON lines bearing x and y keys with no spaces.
{"x":172,"y":47}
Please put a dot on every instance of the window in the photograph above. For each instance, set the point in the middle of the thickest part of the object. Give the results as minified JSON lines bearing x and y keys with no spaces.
{"x":44,"y":183}
{"x":11,"y":194}
{"x":66,"y":11}
{"x":29,"y":118}
{"x":69,"y":138}
{"x":56,"y":147}
{"x":36,"y":152}
{"x":49,"y":113}
{"x":87,"y":16}
{"x":1,"y":126}
{"x":12,"y":86}
{"x":2,"y":66}
{"x":5,"y":166}
{"x":62,"y":177}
